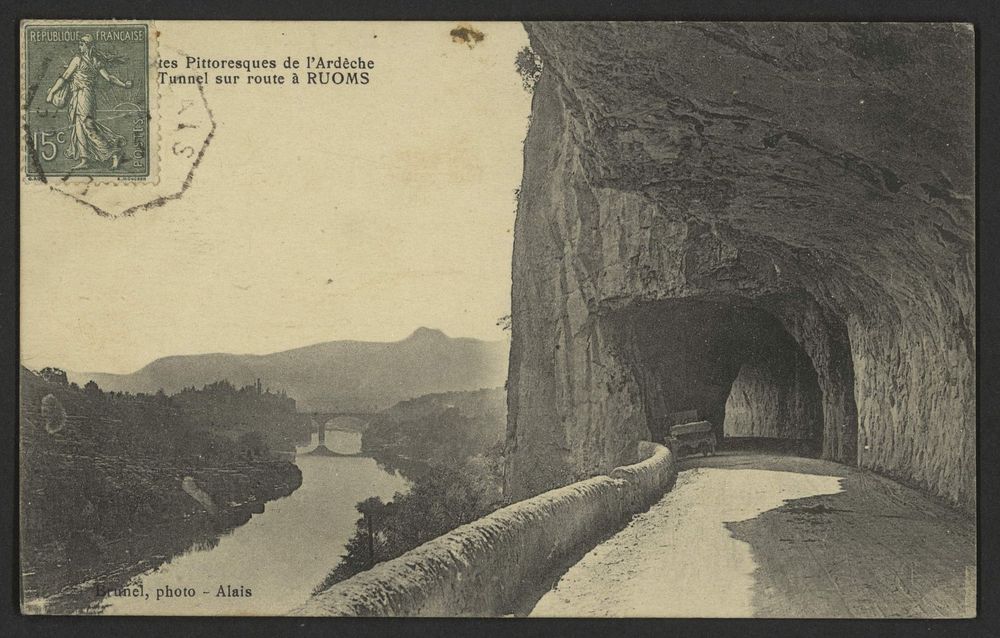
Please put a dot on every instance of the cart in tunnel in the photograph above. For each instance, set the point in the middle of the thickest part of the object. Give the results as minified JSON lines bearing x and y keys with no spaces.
{"x":688,"y":439}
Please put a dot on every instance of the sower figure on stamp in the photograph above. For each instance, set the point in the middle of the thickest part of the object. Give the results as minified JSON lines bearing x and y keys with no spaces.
{"x":89,"y":139}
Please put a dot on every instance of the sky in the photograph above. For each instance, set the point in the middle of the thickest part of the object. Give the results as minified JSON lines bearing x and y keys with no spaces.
{"x":316,"y":214}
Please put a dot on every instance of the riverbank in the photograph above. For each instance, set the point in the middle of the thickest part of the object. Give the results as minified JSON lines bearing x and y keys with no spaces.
{"x":174,"y":507}
{"x":293,"y":544}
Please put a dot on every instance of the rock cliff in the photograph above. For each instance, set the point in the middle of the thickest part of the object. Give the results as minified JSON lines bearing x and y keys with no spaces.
{"x":692,"y":189}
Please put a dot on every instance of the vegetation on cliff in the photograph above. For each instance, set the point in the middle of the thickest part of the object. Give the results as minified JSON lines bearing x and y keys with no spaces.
{"x":439,"y":500}
{"x":441,"y":429}
{"x":449,"y":445}
{"x":103,"y":477}
{"x":254,"y":416}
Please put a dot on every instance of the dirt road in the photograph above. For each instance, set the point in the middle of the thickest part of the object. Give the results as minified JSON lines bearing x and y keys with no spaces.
{"x":778,"y":536}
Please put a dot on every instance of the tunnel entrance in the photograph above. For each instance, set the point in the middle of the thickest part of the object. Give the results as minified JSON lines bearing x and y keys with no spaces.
{"x":726,"y":361}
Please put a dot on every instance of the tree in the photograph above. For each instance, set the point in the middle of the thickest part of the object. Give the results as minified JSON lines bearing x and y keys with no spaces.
{"x":54,"y":375}
{"x":529,"y":67}
{"x":370,"y":508}
{"x":254,"y":444}
{"x":438,"y":501}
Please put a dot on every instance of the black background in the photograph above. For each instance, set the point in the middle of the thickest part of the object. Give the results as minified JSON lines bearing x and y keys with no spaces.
{"x":982,"y":14}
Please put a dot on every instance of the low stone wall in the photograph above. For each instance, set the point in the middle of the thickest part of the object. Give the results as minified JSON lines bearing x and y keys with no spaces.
{"x":479,"y":569}
{"x":649,"y":478}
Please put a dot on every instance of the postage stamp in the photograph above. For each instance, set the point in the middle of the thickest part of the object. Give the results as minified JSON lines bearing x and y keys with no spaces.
{"x":88,"y":100}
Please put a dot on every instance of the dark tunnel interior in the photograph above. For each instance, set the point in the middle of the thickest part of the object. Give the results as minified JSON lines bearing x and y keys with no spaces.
{"x":730,"y":361}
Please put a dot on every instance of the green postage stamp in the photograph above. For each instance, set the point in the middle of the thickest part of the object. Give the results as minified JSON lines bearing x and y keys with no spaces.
{"x":88,"y":100}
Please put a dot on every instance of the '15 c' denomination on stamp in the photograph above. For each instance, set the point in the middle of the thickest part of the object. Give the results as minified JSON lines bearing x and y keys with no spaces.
{"x":88,"y":100}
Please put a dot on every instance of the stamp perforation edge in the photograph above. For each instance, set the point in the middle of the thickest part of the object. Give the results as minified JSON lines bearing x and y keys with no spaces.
{"x":154,"y":135}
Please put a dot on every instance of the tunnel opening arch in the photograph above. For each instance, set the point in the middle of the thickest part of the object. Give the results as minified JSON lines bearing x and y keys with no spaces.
{"x":771,"y":373}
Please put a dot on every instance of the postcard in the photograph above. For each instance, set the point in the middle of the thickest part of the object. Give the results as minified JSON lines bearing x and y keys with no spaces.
{"x":586,"y":319}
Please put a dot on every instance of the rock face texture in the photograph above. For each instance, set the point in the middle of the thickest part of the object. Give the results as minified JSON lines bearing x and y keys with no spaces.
{"x":691,"y":190}
{"x":763,"y":404}
{"x":775,"y":396}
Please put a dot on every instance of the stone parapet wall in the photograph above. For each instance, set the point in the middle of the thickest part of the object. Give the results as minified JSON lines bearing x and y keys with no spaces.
{"x":484,"y":567}
{"x":649,"y":478}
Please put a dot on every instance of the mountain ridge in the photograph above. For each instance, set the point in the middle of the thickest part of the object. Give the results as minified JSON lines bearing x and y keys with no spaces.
{"x":347,"y":375}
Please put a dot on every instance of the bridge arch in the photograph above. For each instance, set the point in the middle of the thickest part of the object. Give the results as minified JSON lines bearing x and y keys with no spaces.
{"x":348,"y":421}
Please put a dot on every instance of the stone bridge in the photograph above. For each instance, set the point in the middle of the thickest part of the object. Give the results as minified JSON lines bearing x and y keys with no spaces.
{"x":326,"y":419}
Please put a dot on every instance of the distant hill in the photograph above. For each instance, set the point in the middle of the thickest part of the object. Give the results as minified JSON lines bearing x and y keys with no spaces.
{"x":444,"y":428}
{"x":487,"y":403}
{"x":358,"y":376}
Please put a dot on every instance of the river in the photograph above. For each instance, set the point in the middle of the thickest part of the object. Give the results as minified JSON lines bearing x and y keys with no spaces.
{"x":279,"y":555}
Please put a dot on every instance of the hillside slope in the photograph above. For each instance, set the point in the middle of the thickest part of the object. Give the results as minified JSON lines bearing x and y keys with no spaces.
{"x":443,"y":429}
